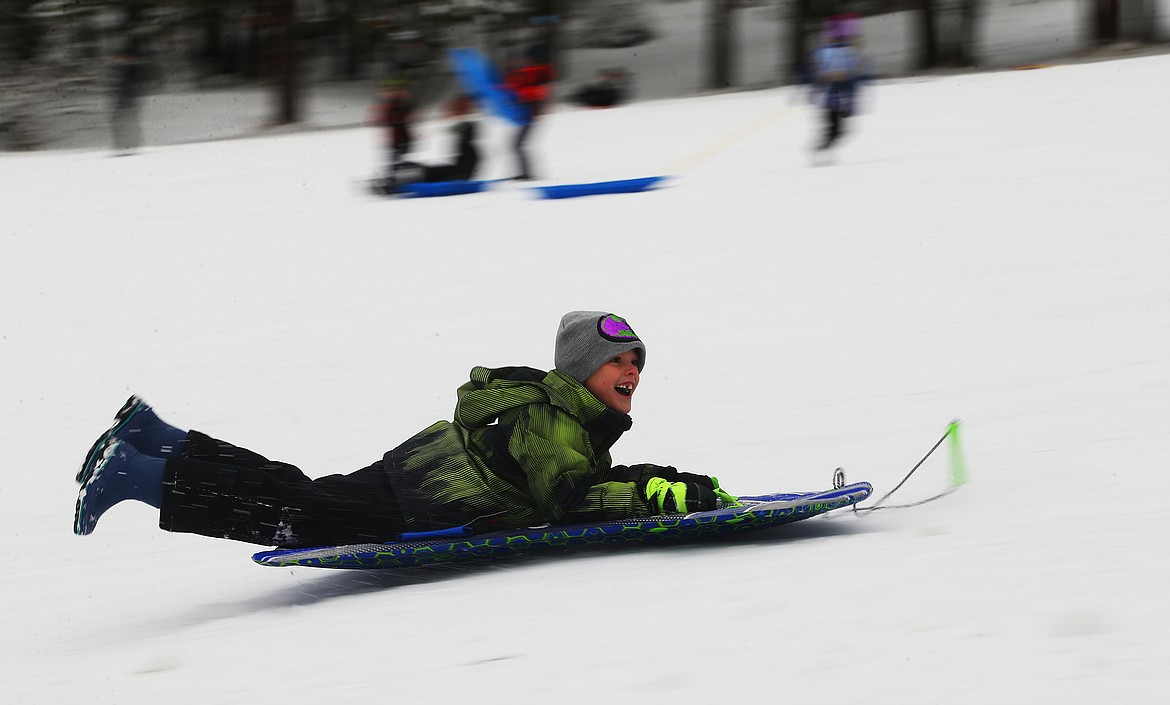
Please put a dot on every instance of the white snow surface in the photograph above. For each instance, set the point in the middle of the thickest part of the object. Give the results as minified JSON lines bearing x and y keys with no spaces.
{"x":991,"y":247}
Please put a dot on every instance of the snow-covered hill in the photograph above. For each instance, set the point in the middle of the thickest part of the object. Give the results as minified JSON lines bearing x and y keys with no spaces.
{"x":991,"y":247}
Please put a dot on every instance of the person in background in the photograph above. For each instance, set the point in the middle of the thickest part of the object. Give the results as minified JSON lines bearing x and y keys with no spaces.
{"x":609,"y":88}
{"x":465,"y":130}
{"x":394,"y":113}
{"x":528,"y":80}
{"x":836,"y":70}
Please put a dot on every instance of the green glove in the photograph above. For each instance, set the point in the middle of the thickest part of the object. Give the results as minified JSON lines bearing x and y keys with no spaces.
{"x":666,"y":497}
{"x":688,"y":477}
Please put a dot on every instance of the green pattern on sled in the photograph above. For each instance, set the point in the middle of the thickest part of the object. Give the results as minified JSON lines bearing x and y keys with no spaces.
{"x":757,"y":512}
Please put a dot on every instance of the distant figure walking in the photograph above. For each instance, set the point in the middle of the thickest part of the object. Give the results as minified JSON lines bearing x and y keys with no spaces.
{"x":528,"y":78}
{"x":127,"y":70}
{"x":836,"y":70}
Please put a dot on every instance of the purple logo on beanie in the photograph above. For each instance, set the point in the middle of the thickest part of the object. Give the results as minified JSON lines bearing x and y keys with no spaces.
{"x":615,"y":329}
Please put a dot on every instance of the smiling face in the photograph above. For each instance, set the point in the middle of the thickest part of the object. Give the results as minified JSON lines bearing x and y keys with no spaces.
{"x":615,"y":381}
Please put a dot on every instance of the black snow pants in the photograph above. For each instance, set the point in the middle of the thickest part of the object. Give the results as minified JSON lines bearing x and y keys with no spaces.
{"x":834,"y":127}
{"x":216,"y":489}
{"x":519,"y":147}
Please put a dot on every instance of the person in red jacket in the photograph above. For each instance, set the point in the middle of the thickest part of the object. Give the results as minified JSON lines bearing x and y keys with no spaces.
{"x":528,"y":81}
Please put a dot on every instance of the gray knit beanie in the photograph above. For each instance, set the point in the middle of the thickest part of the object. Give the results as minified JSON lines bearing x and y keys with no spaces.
{"x":586,"y":339}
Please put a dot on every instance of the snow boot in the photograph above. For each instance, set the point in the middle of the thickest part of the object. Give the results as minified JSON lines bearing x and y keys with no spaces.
{"x":137,"y":424}
{"x":121,"y":473}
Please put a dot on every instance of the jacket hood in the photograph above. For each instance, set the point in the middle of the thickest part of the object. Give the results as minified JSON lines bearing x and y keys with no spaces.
{"x":492,"y":392}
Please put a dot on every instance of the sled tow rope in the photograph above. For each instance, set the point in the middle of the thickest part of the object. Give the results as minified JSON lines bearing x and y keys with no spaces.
{"x":957,"y":479}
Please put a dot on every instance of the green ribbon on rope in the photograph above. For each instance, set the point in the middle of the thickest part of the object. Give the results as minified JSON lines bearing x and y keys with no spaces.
{"x":958,"y":466}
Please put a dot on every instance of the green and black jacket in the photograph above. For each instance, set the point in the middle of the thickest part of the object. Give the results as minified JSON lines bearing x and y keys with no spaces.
{"x":526,"y":448}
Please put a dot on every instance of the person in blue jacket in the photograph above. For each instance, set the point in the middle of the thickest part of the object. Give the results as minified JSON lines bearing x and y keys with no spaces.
{"x":836,"y":70}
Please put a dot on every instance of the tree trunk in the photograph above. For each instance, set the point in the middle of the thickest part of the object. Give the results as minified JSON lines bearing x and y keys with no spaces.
{"x":798,"y":45}
{"x":559,"y":57}
{"x":211,"y":49}
{"x":353,"y":41}
{"x":288,"y":98}
{"x":721,"y":44}
{"x":1105,"y":21}
{"x":970,"y":14}
{"x":1137,"y":20}
{"x":927,"y":35}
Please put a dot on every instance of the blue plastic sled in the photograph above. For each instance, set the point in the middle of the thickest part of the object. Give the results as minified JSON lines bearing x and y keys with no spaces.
{"x":460,"y":544}
{"x":423,"y":189}
{"x":482,"y":81}
{"x":599,"y":187}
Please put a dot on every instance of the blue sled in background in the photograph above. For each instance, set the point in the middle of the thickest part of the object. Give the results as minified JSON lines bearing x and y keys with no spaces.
{"x":430,"y":189}
{"x":481,"y":80}
{"x":427,"y":189}
{"x":598,"y":188}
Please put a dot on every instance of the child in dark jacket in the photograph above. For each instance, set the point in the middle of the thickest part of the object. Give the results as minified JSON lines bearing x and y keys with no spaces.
{"x":525,"y":448}
{"x":467,"y":155}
